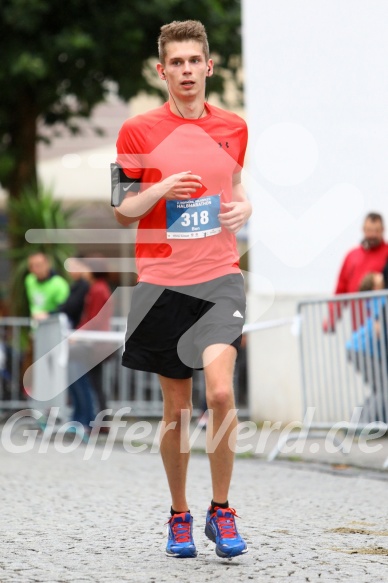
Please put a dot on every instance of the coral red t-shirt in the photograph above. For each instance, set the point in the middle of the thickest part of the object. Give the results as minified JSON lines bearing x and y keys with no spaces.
{"x":182,"y":243}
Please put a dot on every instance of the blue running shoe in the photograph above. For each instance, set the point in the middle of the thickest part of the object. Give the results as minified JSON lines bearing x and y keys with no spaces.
{"x":221,"y":529}
{"x":180,"y":542}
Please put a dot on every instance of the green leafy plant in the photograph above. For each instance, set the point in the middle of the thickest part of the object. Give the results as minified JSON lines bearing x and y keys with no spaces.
{"x":35,"y":209}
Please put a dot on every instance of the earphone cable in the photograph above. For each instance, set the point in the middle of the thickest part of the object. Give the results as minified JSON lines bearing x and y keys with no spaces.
{"x":181,"y":114}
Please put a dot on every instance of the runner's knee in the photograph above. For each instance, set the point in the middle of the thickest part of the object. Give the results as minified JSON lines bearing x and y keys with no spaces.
{"x":220,"y":398}
{"x":178,"y":412}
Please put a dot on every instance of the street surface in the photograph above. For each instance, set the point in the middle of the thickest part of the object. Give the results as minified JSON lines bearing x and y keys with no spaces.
{"x":67,"y":519}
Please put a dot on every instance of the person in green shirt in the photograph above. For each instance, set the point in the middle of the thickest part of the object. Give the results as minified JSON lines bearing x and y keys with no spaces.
{"x":45,"y":289}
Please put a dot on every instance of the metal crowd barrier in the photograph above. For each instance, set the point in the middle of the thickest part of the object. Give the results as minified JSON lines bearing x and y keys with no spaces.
{"x":47,"y":379}
{"x":14,"y":354}
{"x":343,"y":346}
{"x":344,"y":368}
{"x":46,"y":347}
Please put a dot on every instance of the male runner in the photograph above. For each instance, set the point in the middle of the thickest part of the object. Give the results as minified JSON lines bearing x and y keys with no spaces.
{"x":178,"y":171}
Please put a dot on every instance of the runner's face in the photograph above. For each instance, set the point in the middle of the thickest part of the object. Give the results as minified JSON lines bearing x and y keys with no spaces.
{"x":186,"y":69}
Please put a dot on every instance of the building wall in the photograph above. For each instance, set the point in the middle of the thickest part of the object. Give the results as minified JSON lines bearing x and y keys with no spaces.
{"x":316,"y":102}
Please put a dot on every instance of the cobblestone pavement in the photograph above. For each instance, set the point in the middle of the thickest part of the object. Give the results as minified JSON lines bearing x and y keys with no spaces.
{"x":66,"y":519}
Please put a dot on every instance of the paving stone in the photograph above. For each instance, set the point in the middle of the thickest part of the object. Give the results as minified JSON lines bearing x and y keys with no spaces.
{"x":70,"y":520}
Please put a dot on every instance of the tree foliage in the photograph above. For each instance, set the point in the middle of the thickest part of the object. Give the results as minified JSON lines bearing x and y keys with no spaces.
{"x":59,"y":59}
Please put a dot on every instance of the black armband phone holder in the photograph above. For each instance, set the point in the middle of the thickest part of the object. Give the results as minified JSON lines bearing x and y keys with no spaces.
{"x":121,"y":184}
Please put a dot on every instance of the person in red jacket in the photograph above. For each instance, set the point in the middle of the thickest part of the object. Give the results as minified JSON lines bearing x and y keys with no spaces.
{"x":97,"y":313}
{"x":370,"y":256}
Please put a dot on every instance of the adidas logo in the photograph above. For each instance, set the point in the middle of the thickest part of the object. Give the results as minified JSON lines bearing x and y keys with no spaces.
{"x":237,"y":314}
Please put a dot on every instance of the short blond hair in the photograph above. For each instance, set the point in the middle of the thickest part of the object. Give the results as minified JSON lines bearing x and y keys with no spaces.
{"x":181,"y":30}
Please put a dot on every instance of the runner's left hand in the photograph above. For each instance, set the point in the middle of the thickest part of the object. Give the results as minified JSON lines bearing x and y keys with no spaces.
{"x":234,"y":215}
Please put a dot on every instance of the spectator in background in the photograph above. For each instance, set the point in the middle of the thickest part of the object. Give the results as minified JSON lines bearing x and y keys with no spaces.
{"x":73,"y":306}
{"x":45,"y":289}
{"x":366,"y":338}
{"x":80,"y":390}
{"x":370,"y":256}
{"x":96,"y":315}
{"x":367,"y":349}
{"x":87,"y":308}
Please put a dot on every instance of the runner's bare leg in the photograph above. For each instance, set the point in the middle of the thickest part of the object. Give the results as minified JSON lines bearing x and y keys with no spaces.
{"x":219,"y":361}
{"x":176,"y":396}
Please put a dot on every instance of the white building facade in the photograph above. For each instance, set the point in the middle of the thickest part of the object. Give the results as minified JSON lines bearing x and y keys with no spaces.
{"x":316,"y":105}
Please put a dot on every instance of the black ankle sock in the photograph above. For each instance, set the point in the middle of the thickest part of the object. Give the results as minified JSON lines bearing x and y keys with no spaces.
{"x":178,"y":511}
{"x":223,"y":505}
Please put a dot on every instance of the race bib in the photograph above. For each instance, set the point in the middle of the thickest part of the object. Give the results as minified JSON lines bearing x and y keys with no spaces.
{"x":194,"y":218}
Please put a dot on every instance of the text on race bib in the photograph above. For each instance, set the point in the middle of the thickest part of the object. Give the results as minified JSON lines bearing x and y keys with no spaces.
{"x":194,"y":218}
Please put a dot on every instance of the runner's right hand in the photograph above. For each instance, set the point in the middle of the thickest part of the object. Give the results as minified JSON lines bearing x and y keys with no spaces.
{"x":180,"y":186}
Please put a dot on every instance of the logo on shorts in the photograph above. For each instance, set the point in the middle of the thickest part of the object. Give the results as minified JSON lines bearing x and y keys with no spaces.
{"x":237,"y":314}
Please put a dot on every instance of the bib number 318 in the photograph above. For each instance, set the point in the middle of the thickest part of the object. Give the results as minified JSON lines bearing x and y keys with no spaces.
{"x":194,"y":218}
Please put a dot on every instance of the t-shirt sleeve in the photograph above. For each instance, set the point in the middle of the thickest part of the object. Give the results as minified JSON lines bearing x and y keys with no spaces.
{"x":129,"y":147}
{"x":243,"y":147}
